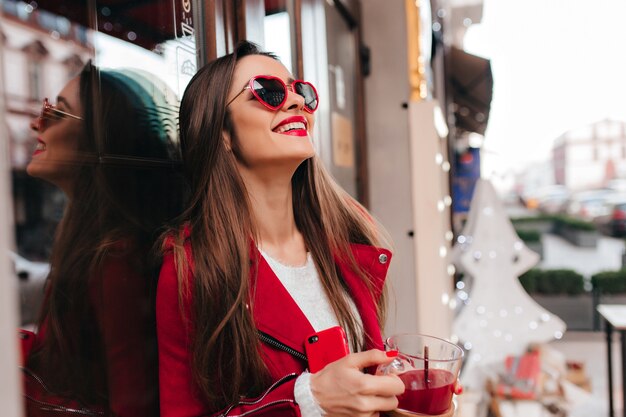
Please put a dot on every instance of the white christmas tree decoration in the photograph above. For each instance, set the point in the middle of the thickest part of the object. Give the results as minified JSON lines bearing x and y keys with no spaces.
{"x":498,"y":318}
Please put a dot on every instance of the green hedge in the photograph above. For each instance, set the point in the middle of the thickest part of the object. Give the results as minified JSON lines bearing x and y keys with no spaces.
{"x":538,"y":218}
{"x":571,"y":223}
{"x":529,"y":236}
{"x":610,"y":282}
{"x":553,"y":282}
{"x":559,"y":220}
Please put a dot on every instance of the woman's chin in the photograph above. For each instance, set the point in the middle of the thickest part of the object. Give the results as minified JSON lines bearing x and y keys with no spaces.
{"x":42,"y":171}
{"x":32,"y":169}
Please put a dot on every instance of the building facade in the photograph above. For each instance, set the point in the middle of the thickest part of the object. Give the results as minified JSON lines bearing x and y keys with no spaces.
{"x":591,"y":156}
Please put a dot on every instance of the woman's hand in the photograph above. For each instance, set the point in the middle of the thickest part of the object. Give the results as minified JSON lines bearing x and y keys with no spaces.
{"x":342,"y":389}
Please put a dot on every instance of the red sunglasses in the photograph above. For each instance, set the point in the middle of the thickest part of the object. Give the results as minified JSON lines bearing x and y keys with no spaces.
{"x":49,"y":112}
{"x":272,"y":92}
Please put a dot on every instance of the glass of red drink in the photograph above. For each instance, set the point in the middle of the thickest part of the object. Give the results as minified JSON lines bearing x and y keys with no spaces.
{"x":429,"y":367}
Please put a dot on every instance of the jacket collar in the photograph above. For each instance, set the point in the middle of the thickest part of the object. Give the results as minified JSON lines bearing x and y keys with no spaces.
{"x":277,"y":314}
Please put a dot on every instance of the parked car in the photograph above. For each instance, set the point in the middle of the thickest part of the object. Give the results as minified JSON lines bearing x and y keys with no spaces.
{"x":588,"y":205}
{"x":613,"y":221}
{"x":553,"y":204}
{"x":547,"y":199}
{"x":31,"y":278}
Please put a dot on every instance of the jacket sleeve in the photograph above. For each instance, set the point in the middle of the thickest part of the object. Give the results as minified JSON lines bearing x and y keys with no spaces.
{"x":177,"y":393}
{"x":179,"y":396}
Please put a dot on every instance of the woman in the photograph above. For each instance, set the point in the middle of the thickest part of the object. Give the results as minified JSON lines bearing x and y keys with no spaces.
{"x":106,"y":145}
{"x":271,"y":251}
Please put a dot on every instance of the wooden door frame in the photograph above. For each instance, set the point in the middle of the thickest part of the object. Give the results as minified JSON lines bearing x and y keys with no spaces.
{"x":350,"y":10}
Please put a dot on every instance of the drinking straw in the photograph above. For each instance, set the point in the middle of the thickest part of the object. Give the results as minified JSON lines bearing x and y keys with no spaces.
{"x":426,"y":364}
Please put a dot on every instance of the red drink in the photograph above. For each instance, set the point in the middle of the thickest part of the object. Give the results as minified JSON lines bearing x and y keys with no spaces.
{"x":432,"y":398}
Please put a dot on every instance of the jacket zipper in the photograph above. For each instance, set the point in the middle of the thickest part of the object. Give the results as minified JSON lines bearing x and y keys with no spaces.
{"x":264,"y":406}
{"x":279,"y":345}
{"x":44,"y":406}
{"x":55,"y":407}
{"x":260,"y":398}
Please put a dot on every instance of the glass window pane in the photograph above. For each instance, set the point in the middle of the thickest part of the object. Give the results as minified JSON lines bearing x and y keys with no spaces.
{"x":277,"y":31}
{"x":92,"y":117}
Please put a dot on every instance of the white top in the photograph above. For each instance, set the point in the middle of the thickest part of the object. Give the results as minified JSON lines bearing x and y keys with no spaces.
{"x":304,"y":285}
{"x":614,"y":314}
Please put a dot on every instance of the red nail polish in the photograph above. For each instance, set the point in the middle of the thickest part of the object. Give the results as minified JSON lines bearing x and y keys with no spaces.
{"x":391,"y":353}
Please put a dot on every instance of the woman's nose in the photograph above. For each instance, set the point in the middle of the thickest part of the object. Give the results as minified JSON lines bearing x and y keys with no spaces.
{"x":34,"y":124}
{"x":294,"y":100}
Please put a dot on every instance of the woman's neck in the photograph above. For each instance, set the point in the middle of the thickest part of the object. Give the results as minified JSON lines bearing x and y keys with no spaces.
{"x":271,"y":201}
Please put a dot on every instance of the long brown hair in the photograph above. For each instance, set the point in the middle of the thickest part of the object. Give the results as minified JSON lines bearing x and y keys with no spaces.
{"x":126,"y":187}
{"x":225,"y":347}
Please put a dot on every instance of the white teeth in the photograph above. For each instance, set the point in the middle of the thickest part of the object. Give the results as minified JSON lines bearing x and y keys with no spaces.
{"x":290,"y":126}
{"x":41,"y":146}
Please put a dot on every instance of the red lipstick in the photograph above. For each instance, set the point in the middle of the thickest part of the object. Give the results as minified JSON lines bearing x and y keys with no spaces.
{"x":299,"y":130}
{"x":41,"y":147}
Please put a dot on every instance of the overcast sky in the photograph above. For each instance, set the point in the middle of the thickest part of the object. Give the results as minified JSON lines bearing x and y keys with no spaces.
{"x":557,"y":65}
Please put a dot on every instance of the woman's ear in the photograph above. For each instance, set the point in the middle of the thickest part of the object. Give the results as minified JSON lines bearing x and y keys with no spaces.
{"x":227,"y":140}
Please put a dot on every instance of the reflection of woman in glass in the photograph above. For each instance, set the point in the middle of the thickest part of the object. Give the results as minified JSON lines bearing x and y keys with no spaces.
{"x":272,"y":251}
{"x":105,"y":144}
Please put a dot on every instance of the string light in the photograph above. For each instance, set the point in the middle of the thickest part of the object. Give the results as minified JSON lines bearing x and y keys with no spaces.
{"x":445,"y":298}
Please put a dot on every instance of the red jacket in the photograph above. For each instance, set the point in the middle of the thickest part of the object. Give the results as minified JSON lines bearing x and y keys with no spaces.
{"x":119,"y":301}
{"x":276,"y":314}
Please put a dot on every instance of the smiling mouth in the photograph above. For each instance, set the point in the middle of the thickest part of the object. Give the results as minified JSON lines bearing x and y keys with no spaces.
{"x":291,"y":127}
{"x":41,"y":147}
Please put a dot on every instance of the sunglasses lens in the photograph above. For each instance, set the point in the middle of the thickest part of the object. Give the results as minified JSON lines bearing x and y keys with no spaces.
{"x":270,"y":91}
{"x":43,"y":115}
{"x":307,"y":91}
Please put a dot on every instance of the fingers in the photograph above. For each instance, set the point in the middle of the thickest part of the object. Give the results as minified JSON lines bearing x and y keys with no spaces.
{"x":370,"y":358}
{"x":382,"y":385}
{"x":458,"y":388}
{"x":342,"y":389}
{"x":365,"y":406}
{"x":383,"y":403}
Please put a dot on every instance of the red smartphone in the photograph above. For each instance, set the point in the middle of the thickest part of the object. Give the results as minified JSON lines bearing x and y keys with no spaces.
{"x":326,"y":346}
